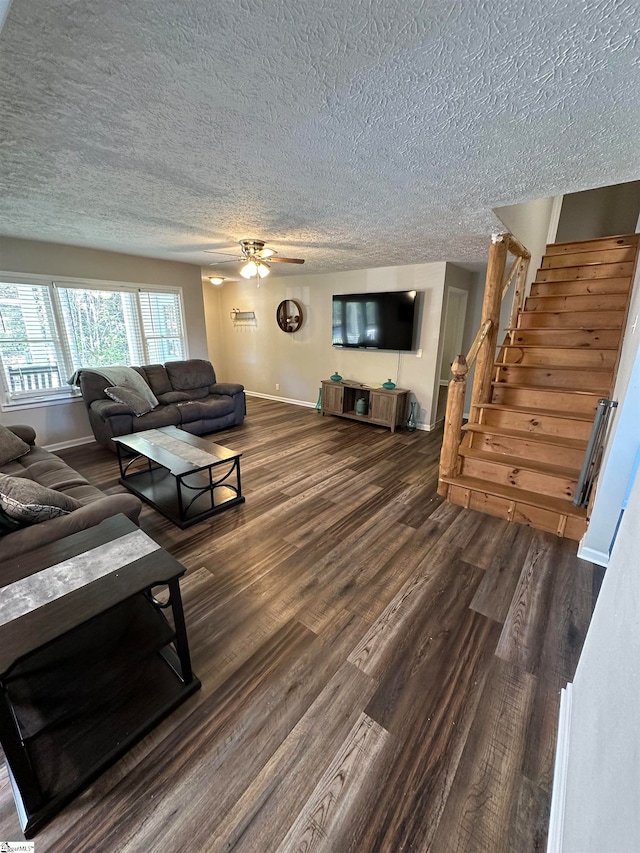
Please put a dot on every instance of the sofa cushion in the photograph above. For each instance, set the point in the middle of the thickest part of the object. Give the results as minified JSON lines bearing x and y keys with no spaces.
{"x":7,"y":524}
{"x":129,"y":397}
{"x":174,"y":397}
{"x":216,"y":407}
{"x":157,"y":379}
{"x":190,"y":411}
{"x":192,"y":374}
{"x":11,"y":447}
{"x":159,"y":417}
{"x":27,"y":501}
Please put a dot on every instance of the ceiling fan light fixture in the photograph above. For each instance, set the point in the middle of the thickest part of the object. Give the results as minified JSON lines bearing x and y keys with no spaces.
{"x":249,"y":269}
{"x":215,"y":279}
{"x":263,"y":270}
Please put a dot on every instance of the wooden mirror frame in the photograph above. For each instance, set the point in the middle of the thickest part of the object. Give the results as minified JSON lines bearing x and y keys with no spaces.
{"x":289,"y":315}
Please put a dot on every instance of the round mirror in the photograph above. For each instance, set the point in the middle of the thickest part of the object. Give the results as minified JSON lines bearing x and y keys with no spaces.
{"x":289,"y":315}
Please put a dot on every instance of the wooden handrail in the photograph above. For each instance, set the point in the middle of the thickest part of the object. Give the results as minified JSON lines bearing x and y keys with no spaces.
{"x":515,"y":266}
{"x":483,"y":349}
{"x":477,"y":343}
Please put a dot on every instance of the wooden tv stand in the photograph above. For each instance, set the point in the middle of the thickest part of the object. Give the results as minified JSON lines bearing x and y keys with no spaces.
{"x":384,"y":408}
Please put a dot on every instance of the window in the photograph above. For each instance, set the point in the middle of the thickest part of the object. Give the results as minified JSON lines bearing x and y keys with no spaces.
{"x":48,"y":330}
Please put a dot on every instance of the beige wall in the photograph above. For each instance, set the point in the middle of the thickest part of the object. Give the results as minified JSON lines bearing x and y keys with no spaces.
{"x":67,"y":422}
{"x":261,"y":356}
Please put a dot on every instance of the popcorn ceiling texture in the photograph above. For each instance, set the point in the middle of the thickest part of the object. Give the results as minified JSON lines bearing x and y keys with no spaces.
{"x":360,"y":134}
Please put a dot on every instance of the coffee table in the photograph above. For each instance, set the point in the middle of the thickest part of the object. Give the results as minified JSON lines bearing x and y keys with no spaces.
{"x":88,"y":662}
{"x":181,"y":485}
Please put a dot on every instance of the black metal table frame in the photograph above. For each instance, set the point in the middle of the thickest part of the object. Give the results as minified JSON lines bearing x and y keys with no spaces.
{"x":33,"y":809}
{"x":183,"y":521}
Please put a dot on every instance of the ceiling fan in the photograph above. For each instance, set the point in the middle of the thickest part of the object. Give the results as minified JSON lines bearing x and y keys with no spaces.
{"x":256,"y":259}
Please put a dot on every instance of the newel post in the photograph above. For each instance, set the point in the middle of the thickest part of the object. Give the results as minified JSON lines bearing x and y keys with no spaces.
{"x":490,"y":311}
{"x":453,"y":422}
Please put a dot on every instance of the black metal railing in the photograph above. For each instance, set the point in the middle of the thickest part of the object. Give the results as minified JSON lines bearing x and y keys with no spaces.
{"x":593,"y":454}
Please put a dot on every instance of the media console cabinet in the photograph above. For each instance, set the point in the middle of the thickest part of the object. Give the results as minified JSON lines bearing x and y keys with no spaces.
{"x":381,"y":407}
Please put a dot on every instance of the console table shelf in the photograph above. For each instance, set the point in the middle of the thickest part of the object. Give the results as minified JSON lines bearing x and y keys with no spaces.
{"x":381,"y":406}
{"x":90,"y":660}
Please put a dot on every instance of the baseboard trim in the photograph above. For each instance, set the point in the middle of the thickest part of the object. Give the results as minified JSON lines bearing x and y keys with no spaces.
{"x":280,"y":399}
{"x":591,"y":555}
{"x":63,"y":445}
{"x":559,"y":790}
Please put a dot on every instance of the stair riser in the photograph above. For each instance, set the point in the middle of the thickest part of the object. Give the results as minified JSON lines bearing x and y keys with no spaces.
{"x":587,"y":272}
{"x":587,"y":319}
{"x":584,"y":338}
{"x":548,"y":377}
{"x":551,"y":522}
{"x":602,"y":256}
{"x":580,"y":358}
{"x":537,"y":424}
{"x":533,"y":450}
{"x":597,"y":302}
{"x":579,"y":288}
{"x":541,"y":399}
{"x":519,"y":478}
{"x":591,"y":245}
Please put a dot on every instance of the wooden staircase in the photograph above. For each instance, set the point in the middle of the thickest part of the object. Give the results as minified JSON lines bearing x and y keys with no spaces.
{"x":534,"y":404}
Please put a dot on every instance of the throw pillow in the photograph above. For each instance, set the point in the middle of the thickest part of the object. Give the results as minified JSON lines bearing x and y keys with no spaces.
{"x":128,"y":397}
{"x":11,"y":447}
{"x":29,"y":502}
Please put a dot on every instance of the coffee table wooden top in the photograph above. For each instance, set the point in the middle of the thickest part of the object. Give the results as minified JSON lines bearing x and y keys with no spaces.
{"x":176,"y":450}
{"x":61,"y":585}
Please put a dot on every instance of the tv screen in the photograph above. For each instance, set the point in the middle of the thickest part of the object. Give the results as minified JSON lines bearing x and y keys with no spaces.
{"x":375,"y":320}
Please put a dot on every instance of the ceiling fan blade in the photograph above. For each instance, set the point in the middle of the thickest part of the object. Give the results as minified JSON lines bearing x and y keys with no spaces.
{"x":276,"y":260}
{"x":216,"y":252}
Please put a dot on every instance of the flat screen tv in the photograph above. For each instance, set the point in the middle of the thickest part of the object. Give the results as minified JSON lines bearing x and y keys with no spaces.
{"x":375,"y":320}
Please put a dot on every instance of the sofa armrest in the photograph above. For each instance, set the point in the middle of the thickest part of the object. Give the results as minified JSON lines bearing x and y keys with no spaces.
{"x":26,"y":433}
{"x":230,"y":389}
{"x":109,"y":408}
{"x":35,"y":535}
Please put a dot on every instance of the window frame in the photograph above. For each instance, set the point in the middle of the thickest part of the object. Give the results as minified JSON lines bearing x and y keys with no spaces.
{"x":68,"y":394}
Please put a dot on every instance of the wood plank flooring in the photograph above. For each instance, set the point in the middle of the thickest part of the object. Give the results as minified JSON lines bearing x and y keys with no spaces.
{"x":380,"y":671}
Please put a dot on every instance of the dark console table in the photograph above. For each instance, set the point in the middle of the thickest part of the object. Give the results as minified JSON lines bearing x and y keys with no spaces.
{"x":89,"y":663}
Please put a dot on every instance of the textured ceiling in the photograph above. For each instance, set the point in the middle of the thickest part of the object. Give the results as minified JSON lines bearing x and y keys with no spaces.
{"x":359,"y":134}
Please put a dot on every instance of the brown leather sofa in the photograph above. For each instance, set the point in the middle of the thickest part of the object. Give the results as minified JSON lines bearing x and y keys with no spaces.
{"x":188,"y":394}
{"x":49,"y":470}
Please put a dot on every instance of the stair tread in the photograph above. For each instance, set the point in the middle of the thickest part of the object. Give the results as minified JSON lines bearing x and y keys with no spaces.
{"x":572,"y":310}
{"x":590,"y":328}
{"x":552,"y":367}
{"x":537,"y":412}
{"x":554,"y":389}
{"x":520,"y":462}
{"x":562,"y":507}
{"x":629,"y":240}
{"x":558,"y":346}
{"x":536,"y":437}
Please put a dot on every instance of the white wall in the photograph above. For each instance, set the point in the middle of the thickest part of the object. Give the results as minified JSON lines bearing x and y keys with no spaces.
{"x":66,"y":423}
{"x":529,"y":223}
{"x":261,"y":356}
{"x":602,"y":212}
{"x":596,"y":802}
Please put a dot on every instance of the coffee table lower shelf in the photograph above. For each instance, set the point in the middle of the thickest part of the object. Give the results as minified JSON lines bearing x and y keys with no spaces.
{"x":160,"y":489}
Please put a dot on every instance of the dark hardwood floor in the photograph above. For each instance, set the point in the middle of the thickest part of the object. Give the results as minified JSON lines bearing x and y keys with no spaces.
{"x":380,"y":671}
